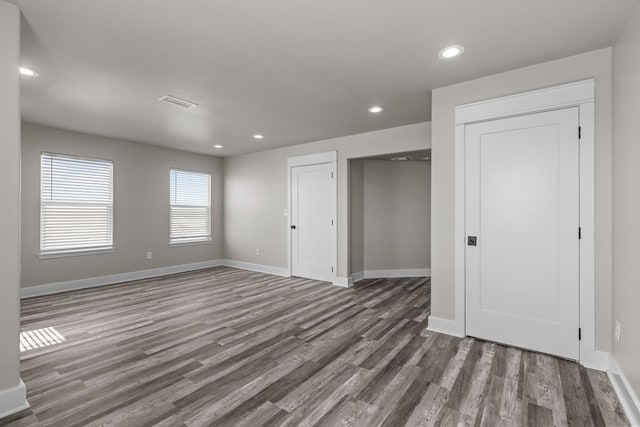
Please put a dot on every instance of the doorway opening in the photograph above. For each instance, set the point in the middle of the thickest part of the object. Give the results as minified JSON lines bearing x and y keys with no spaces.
{"x":390,"y":215}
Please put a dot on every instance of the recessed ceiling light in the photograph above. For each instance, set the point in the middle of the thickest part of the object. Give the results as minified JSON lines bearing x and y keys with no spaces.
{"x":218,"y":146}
{"x":401,"y":159}
{"x":28,"y":72}
{"x":425,"y":158}
{"x":451,"y":52}
{"x":376,"y":109}
{"x":258,"y":136}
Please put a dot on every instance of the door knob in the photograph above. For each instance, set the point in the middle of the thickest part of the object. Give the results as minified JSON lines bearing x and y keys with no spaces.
{"x":293,"y":227}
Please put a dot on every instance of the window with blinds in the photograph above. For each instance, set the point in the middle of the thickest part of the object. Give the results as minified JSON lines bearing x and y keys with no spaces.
{"x":76,"y":204}
{"x":190,"y":206}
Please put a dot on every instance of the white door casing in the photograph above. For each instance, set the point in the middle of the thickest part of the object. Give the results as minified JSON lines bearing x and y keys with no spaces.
{"x":522,"y":206}
{"x":577,"y":94}
{"x":312,"y":216}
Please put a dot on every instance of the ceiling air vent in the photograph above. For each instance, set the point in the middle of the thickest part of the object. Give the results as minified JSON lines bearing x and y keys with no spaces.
{"x":177,"y":101}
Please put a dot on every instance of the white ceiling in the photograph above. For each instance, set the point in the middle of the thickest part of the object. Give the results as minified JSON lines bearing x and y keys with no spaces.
{"x":293,"y":70}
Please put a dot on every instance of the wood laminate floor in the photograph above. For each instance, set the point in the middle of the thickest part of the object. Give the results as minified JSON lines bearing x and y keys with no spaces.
{"x":229,"y":347}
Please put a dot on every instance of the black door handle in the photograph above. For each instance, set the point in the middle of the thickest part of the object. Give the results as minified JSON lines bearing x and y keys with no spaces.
{"x":293,"y":227}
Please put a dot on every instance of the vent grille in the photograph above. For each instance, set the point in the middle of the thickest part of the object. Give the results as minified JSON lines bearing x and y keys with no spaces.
{"x":178,"y":101}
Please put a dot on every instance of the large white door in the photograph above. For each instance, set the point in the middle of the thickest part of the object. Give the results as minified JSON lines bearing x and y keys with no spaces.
{"x":522,"y":207}
{"x":313,"y":201}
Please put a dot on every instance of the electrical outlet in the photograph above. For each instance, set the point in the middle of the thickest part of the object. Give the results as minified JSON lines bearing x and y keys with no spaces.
{"x":285,"y":212}
{"x":257,"y":251}
{"x":618,"y":331}
{"x":149,"y":255}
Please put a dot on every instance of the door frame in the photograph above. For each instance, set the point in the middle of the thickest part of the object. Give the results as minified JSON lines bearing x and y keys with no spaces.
{"x":579,"y":94}
{"x":327,"y":157}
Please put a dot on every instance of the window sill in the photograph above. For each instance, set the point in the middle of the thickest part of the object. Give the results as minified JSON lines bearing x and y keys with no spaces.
{"x":190,"y":243}
{"x":82,"y":252}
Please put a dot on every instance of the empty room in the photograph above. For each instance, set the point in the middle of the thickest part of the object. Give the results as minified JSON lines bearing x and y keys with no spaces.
{"x":319,"y":213}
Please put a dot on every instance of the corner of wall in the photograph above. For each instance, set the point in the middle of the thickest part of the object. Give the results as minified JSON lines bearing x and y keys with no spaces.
{"x":13,"y":400}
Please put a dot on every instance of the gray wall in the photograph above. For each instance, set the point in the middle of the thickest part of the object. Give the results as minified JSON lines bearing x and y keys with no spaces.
{"x":596,"y":64}
{"x":10,"y":195}
{"x":356,"y":215}
{"x":255,"y":192}
{"x":626,"y":197}
{"x":141,"y":206}
{"x":397,"y":215}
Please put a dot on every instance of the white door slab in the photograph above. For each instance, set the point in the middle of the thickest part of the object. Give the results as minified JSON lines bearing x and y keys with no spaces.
{"x":522,"y":204}
{"x":312,"y":221}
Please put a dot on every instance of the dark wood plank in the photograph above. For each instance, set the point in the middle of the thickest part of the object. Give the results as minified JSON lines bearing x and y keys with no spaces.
{"x":228,"y":347}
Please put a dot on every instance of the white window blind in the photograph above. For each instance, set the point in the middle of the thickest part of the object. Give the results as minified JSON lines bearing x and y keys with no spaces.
{"x":190,"y":210}
{"x":76,"y":204}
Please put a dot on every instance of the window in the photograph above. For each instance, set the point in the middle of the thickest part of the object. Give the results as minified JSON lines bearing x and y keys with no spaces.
{"x":190,"y":210}
{"x":76,"y":204}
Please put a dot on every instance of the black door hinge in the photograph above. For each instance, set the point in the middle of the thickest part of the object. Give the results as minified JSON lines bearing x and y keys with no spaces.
{"x":331,"y":174}
{"x":579,"y":334}
{"x":579,"y":232}
{"x":332,"y":269}
{"x":579,"y":132}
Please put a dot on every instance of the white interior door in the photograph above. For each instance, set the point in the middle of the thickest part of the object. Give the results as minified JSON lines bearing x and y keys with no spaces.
{"x":522,"y":205}
{"x":313,"y":201}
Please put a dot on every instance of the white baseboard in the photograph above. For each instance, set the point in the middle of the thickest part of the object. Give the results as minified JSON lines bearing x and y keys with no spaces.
{"x":596,"y":359}
{"x":444,"y":326}
{"x":389,"y":274}
{"x":343,"y":282}
{"x":628,"y":398}
{"x":259,"y":268}
{"x":13,"y":400}
{"x":357,"y":276}
{"x":346,"y":282}
{"x":54,"y":288}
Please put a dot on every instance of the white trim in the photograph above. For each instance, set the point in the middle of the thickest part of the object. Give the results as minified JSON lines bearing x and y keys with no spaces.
{"x":598,"y":360}
{"x":355,"y":277}
{"x":54,"y":288}
{"x":444,"y":326}
{"x":552,"y":98}
{"x":208,"y":241}
{"x":579,"y":94}
{"x":343,"y":282}
{"x":628,"y":398}
{"x":347,"y":282}
{"x":390,"y":274}
{"x":259,"y":268}
{"x":330,"y":157}
{"x":82,"y":252}
{"x":588,"y":352}
{"x":13,"y":400}
{"x":313,"y":159}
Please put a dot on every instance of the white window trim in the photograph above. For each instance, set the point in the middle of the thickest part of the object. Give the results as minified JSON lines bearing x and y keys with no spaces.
{"x":204,"y":240}
{"x":80,"y":252}
{"x":579,"y":94}
{"x":65,"y":253}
